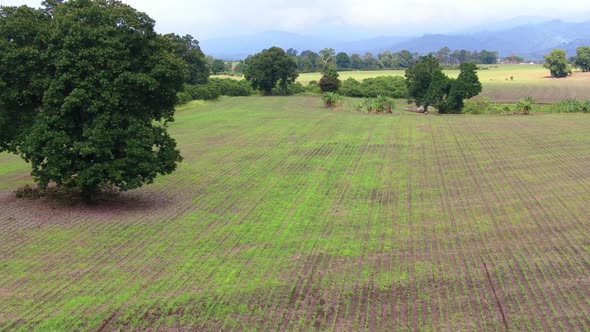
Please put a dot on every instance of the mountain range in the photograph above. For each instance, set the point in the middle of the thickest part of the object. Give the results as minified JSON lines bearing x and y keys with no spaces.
{"x":531,"y":40}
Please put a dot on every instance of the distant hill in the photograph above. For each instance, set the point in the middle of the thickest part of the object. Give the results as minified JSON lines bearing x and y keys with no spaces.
{"x":532,"y":41}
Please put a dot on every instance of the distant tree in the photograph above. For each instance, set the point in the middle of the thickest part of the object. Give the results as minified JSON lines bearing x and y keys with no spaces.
{"x":488,"y":57}
{"x":442,"y":55}
{"x":370,"y":61}
{"x":329,"y":81}
{"x":343,"y":60}
{"x":309,"y":61}
{"x":386,"y":59}
{"x":582,"y":59}
{"x":269,"y":67}
{"x":187,"y":48}
{"x":218,"y":66}
{"x":356,"y":62}
{"x":557,"y":63}
{"x":327,"y":55}
{"x":428,"y":86}
{"x":292,"y":52}
{"x":85,"y":85}
{"x":404,"y":59}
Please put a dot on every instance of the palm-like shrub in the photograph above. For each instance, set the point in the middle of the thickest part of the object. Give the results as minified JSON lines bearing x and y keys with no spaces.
{"x":332,"y":99}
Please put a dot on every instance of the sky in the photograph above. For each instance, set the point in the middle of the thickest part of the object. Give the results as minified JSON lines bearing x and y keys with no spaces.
{"x":342,"y":18}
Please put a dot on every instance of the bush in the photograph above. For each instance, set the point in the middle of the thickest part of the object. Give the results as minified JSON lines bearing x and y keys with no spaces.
{"x":313,"y":87}
{"x":387,"y":86}
{"x":380,"y":104}
{"x":571,"y":105}
{"x":295,"y":88}
{"x":292,"y":89}
{"x":352,"y":88}
{"x":332,"y":99}
{"x":183,"y":97}
{"x":524,"y":106}
{"x":202,"y":92}
{"x":329,"y":83}
{"x":479,"y":106}
{"x":231,"y":87}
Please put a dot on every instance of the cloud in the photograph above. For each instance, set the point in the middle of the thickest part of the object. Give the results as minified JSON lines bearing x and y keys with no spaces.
{"x":210,"y":18}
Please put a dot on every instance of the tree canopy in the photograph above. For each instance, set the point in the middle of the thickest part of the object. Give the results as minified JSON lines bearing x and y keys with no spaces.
{"x":582,"y":59}
{"x":86,"y":90}
{"x":429,"y":86}
{"x":187,"y":48}
{"x":557,"y":63}
{"x":269,"y":67}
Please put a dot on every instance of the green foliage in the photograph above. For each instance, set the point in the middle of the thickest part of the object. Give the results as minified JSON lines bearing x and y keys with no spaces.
{"x":332,"y":99}
{"x":218,"y":66}
{"x":313,"y":87}
{"x":524,"y":106}
{"x":479,"y":106}
{"x":571,"y":105}
{"x":389,"y":86}
{"x":582,"y":59}
{"x":428,"y":86}
{"x":183,"y":97}
{"x":231,"y":87}
{"x":557,"y":63}
{"x":83,"y":87}
{"x":203,"y":92}
{"x":380,"y":104}
{"x":343,"y":60}
{"x":330,"y":82}
{"x":214,"y":88}
{"x":269,"y":67}
{"x":187,"y":48}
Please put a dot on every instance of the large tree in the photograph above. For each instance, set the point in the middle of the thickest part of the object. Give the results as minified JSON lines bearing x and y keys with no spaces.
{"x":429,"y":86}
{"x":557,"y":63}
{"x":86,"y":90}
{"x":582,"y":59}
{"x":187,"y":48}
{"x":269,"y":67}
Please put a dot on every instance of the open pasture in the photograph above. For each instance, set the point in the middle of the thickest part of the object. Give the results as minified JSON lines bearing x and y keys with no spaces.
{"x":288,"y":216}
{"x":527,"y":80}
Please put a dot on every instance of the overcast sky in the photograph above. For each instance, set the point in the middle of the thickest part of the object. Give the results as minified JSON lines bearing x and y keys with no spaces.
{"x":216,"y":18}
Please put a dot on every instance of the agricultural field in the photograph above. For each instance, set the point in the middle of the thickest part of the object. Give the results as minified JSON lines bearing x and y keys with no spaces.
{"x":527,"y":80}
{"x":288,"y":216}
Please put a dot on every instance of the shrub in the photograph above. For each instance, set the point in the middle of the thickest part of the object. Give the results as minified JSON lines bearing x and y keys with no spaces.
{"x":352,"y":88}
{"x":295,"y":88}
{"x":202,"y":92}
{"x":329,"y":83}
{"x":313,"y":87}
{"x":231,"y":87}
{"x":571,"y":105}
{"x":380,"y":104}
{"x":524,"y":106}
{"x":387,"y":86}
{"x":183,"y":97}
{"x":479,"y":106}
{"x":332,"y":99}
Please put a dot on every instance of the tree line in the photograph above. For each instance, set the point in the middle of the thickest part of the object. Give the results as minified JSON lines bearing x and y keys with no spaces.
{"x":310,"y":61}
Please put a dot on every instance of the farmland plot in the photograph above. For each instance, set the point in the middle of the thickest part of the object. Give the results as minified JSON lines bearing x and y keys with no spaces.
{"x":288,"y":216}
